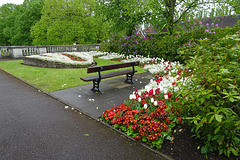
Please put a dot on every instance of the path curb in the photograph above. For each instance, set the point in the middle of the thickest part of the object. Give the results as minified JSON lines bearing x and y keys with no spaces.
{"x":91,"y":117}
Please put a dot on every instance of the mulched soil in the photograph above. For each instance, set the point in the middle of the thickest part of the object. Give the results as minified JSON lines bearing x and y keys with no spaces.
{"x":186,"y":148}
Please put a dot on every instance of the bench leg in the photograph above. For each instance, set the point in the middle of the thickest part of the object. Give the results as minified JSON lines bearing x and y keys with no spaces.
{"x":96,"y":85}
{"x":129,"y":78}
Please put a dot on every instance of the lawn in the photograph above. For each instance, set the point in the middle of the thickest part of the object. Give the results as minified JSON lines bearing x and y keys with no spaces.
{"x":50,"y":79}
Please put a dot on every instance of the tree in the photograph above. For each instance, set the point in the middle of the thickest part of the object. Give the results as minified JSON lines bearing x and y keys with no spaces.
{"x":17,"y":20}
{"x":67,"y":22}
{"x":28,"y":15}
{"x":123,"y":15}
{"x":171,"y":12}
{"x":6,"y":22}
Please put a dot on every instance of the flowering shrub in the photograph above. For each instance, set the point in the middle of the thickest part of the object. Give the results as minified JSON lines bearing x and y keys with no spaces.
{"x":213,"y":95}
{"x":206,"y":94}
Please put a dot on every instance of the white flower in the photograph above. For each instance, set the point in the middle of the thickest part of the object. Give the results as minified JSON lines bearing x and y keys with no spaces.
{"x":165,"y":96}
{"x":58,"y":57}
{"x":132,"y":96}
{"x":139,"y":99}
{"x":145,"y":106}
{"x":152,"y":100}
{"x":155,"y":103}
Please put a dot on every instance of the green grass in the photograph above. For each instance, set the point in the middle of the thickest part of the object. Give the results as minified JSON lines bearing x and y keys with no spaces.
{"x":51,"y":79}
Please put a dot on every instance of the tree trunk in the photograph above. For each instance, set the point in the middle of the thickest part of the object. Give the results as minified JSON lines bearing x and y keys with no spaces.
{"x":171,"y":9}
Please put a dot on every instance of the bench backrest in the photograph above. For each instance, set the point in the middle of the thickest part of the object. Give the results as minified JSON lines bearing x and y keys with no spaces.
{"x":112,"y":66}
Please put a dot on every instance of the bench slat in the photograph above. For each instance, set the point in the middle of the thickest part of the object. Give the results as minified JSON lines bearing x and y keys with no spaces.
{"x":107,"y":75}
{"x":111,"y":66}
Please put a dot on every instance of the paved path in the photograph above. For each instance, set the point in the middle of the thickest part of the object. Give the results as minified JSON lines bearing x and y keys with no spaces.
{"x":36,"y":126}
{"x":115,"y":92}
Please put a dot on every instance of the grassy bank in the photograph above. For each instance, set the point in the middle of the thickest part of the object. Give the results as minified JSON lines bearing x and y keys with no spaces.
{"x":51,"y":79}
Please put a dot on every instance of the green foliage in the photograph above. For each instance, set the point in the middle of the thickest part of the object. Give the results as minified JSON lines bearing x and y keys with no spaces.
{"x":17,"y":22}
{"x":123,"y":15}
{"x":68,"y":22}
{"x":6,"y":22}
{"x":211,"y":100}
{"x":167,"y":48}
{"x":29,"y":14}
{"x":170,"y":13}
{"x":112,"y":44}
{"x":188,"y":40}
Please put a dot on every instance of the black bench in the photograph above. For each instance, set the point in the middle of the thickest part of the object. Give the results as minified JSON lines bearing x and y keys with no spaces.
{"x":96,"y":79}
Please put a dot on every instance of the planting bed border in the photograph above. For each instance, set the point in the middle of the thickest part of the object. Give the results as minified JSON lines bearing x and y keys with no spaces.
{"x":51,"y":64}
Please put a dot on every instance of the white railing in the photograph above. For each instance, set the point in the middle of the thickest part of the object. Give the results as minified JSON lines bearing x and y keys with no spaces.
{"x":21,"y":51}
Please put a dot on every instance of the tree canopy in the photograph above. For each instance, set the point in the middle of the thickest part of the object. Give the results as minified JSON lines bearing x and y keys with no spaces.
{"x":52,"y":22}
{"x":127,"y":15}
{"x":67,"y":22}
{"x":171,"y":12}
{"x":123,"y":15}
{"x":17,"y":20}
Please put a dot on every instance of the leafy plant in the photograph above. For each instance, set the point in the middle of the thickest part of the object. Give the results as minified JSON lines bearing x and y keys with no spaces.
{"x":211,"y":100}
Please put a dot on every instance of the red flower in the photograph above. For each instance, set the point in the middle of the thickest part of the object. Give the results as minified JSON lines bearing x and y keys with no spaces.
{"x":159,"y":80}
{"x":135,"y":111}
{"x":179,"y":119}
{"x":168,"y":120}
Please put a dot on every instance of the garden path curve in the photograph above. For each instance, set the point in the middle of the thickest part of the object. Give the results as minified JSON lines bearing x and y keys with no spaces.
{"x":37,"y":126}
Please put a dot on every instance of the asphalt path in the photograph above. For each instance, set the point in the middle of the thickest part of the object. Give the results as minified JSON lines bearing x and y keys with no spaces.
{"x":34,"y":125}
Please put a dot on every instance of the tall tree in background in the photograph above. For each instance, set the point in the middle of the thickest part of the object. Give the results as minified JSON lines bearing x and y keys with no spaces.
{"x":17,"y":20}
{"x":123,"y":15}
{"x":29,"y":15}
{"x":68,"y":22}
{"x":7,"y":20}
{"x":171,"y":12}
{"x":126,"y":15}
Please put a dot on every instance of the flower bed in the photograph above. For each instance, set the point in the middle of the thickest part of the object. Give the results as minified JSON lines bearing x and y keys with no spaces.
{"x":61,"y":60}
{"x":206,"y":95}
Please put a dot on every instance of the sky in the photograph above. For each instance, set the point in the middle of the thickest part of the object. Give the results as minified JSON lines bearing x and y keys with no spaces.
{"x":11,"y":1}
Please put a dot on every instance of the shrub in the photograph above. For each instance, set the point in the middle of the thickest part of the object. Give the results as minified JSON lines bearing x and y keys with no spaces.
{"x":211,"y":100}
{"x":166,"y":48}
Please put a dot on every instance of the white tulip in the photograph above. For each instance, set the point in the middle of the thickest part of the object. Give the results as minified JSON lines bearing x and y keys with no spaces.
{"x":152,"y":100}
{"x":165,"y":96}
{"x":139,"y":99}
{"x":145,"y":106}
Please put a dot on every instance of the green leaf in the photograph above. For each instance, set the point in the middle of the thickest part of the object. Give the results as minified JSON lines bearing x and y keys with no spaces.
{"x":218,"y":117}
{"x":234,"y":151}
{"x":144,"y":139}
{"x":204,"y":150}
{"x":217,"y":129}
{"x":211,"y":118}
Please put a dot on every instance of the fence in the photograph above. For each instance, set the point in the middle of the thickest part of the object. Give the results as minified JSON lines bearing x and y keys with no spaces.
{"x":21,"y":51}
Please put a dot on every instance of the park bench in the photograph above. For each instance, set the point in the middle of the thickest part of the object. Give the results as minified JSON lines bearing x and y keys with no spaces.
{"x":96,"y":79}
